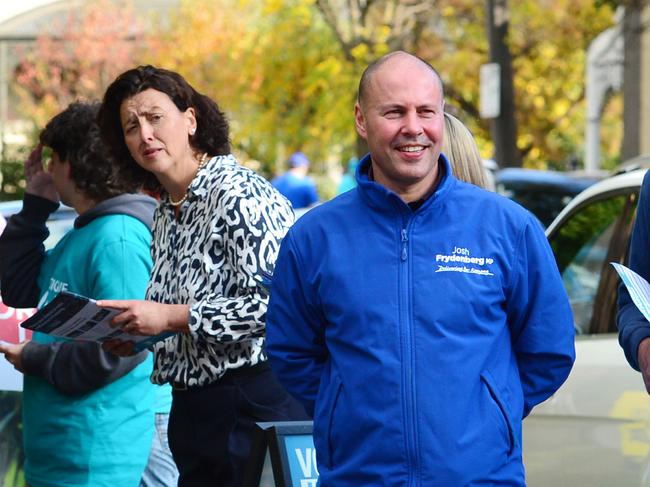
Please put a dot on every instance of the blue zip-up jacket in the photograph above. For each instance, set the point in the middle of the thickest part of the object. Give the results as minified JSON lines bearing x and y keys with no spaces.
{"x":632,"y":325}
{"x":419,"y":340}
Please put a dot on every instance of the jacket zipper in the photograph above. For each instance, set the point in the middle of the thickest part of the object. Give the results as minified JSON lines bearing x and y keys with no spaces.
{"x":408,"y":358}
{"x":405,"y":240}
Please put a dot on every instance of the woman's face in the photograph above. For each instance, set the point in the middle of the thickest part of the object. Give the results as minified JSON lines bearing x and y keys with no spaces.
{"x":156,"y":132}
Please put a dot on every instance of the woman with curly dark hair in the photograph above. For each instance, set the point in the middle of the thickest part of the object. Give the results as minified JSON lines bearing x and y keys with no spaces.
{"x":216,"y":234}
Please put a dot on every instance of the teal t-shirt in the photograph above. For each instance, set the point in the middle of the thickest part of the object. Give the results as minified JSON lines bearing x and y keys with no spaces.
{"x":101,"y":438}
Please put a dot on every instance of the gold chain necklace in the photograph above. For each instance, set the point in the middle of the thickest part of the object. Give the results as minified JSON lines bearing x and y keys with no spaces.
{"x":202,"y":162}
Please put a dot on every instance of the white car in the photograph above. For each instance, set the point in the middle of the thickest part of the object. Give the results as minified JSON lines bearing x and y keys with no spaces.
{"x":595,"y":431}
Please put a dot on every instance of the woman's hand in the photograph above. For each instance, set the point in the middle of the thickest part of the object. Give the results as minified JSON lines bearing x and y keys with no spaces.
{"x":148,"y":318}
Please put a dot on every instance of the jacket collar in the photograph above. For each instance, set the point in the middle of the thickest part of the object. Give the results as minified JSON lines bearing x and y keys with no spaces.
{"x":382,"y":198}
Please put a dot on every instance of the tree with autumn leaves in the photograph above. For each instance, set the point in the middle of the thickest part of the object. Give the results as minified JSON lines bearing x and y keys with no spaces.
{"x":286,"y":71}
{"x":77,"y":59}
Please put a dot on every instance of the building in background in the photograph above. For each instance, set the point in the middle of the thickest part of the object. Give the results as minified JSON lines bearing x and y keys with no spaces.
{"x":21,"y":22}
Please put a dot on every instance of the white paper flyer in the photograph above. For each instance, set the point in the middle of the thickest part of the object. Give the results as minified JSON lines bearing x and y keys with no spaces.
{"x":637,"y":286}
{"x":77,"y":317}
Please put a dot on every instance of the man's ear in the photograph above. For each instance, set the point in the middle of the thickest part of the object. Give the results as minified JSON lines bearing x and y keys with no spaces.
{"x":359,"y":121}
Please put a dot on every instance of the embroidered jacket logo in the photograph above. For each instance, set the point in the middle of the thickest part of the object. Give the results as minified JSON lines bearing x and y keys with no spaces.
{"x":460,"y":260}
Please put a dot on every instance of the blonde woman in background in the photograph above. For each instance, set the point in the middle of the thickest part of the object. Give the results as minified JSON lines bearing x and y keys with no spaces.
{"x":460,"y":148}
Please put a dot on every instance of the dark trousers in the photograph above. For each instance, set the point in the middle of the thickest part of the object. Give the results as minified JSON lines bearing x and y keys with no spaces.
{"x":210,"y":427}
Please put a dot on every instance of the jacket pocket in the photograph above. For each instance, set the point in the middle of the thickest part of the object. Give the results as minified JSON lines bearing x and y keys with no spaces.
{"x":323,"y":441}
{"x":501,"y":405}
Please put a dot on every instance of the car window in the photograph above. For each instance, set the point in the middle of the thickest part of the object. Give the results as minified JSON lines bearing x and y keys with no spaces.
{"x":583,"y":247}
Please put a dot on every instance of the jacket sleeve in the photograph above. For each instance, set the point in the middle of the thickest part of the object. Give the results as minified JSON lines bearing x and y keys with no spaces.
{"x":540,"y":318}
{"x":93,"y":367}
{"x":22,"y":252}
{"x":295,"y":336}
{"x":120,"y":270}
{"x":632,"y":325}
{"x":254,"y":226}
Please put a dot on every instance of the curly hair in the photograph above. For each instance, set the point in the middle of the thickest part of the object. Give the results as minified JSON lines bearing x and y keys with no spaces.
{"x":74,"y":135}
{"x":211,"y":135}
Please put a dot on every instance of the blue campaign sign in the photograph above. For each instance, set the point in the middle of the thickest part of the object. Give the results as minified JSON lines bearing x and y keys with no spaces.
{"x":301,"y":456}
{"x":282,"y":455}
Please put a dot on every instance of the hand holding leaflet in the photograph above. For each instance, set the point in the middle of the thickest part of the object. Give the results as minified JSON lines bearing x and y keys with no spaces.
{"x":637,"y":286}
{"x":77,"y":317}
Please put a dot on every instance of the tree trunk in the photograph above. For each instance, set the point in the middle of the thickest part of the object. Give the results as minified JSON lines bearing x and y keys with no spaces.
{"x":503,"y":128}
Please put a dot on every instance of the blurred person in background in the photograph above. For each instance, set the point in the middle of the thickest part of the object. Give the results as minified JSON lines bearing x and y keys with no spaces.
{"x":87,"y":414}
{"x":295,"y":184}
{"x":348,"y":181}
{"x":459,"y":146}
{"x":216,"y":234}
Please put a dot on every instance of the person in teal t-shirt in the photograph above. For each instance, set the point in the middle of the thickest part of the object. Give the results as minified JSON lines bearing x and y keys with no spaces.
{"x":88,"y":416}
{"x":348,"y":181}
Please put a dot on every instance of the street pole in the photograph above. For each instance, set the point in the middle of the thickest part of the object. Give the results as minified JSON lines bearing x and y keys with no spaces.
{"x":503,"y":128}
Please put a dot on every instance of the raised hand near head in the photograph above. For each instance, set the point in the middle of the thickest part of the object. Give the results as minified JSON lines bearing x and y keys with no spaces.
{"x":39,"y":181}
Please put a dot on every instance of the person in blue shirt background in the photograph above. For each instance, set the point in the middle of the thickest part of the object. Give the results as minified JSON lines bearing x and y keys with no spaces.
{"x":295,"y":185}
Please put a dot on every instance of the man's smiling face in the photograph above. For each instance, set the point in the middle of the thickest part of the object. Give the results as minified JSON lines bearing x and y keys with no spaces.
{"x":401,"y":116}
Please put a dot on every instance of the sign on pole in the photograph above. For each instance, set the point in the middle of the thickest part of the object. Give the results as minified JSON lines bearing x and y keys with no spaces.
{"x":490,"y":102}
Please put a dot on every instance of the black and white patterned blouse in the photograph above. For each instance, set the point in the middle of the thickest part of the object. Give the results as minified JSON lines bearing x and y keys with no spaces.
{"x":229,"y":230}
